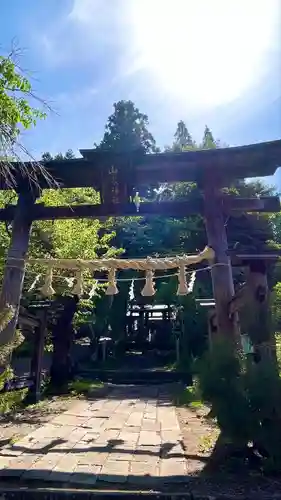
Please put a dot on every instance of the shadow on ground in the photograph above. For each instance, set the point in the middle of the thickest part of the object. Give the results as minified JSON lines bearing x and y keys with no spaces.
{"x":97,"y":478}
{"x":114,"y":446}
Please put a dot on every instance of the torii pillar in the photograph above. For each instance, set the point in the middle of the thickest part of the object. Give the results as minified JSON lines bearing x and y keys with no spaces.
{"x":15,"y":265}
{"x":222,"y":280}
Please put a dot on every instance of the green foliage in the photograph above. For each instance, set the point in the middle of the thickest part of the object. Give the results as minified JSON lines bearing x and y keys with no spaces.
{"x":84,"y":387}
{"x":278,"y":350}
{"x":207,"y":442}
{"x":276,"y":306}
{"x":5,"y":376}
{"x":220,"y":378}
{"x":78,"y":238}
{"x":85,"y":314}
{"x":10,"y":401}
{"x":183,"y":140}
{"x":126,"y":130}
{"x":16,"y":112}
{"x":191,"y":397}
{"x":245,"y":398}
{"x":208,"y":141}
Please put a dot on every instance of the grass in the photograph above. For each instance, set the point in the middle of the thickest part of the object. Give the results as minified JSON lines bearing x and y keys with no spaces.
{"x":15,"y":438}
{"x":38,"y":405}
{"x":190,"y":396}
{"x":14,"y":400}
{"x":172,"y":367}
{"x":82,"y":386}
{"x":208,"y":441}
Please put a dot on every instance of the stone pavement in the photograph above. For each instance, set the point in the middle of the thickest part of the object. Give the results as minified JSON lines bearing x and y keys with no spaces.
{"x":132,"y":435}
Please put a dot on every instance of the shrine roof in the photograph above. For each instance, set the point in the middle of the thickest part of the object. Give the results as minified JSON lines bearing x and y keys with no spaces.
{"x":254,"y":160}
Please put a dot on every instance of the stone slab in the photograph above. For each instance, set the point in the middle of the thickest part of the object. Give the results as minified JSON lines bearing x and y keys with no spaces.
{"x":85,"y":474}
{"x":115,"y":472}
{"x":135,"y":438}
{"x":143,"y":472}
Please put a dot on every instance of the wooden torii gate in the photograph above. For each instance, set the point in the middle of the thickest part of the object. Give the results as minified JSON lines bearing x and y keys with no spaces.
{"x":116,"y":176}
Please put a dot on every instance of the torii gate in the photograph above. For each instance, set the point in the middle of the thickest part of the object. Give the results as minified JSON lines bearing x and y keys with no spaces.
{"x":116,"y":176}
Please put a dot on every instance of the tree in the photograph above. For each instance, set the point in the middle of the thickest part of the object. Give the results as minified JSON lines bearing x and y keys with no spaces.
{"x":183,"y":140}
{"x":127,"y":130}
{"x":69,"y":155}
{"x":16,"y":112}
{"x":208,"y":141}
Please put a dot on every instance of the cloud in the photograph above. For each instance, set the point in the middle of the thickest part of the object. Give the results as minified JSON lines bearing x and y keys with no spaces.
{"x":89,"y":31}
{"x":87,"y":11}
{"x":193,"y":59}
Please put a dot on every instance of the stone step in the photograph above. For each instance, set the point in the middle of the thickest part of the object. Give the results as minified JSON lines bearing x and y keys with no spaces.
{"x":77,"y":494}
{"x":155,"y":377}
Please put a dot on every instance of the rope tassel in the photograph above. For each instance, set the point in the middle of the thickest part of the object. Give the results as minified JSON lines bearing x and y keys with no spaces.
{"x":47,"y":289}
{"x":112,"y":287}
{"x":78,"y":287}
{"x":34,"y":283}
{"x":93,"y":289}
{"x":191,"y":282}
{"x":182,"y":287}
{"x":148,"y":289}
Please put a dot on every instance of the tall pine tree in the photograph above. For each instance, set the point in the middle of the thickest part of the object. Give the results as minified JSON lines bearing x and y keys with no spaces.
{"x":127,"y":130}
{"x":208,"y":141}
{"x":183,"y":140}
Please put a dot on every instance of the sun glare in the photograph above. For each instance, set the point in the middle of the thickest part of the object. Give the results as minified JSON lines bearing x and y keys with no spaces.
{"x":204,"y":52}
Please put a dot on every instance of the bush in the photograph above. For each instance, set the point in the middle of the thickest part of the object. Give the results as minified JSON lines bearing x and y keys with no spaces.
{"x":12,"y":400}
{"x":9,"y":400}
{"x":278,"y":349}
{"x":246,"y":400}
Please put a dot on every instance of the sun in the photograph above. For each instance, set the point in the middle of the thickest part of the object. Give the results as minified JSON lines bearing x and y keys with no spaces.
{"x":203,"y":52}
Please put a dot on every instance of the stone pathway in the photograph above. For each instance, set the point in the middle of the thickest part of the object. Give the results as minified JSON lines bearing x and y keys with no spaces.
{"x":132,"y":435}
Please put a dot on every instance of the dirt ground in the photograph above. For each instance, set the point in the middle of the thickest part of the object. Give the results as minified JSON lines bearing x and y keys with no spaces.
{"x":199,"y":437}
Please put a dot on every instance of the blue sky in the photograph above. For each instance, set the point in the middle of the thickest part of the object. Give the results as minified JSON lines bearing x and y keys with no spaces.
{"x":203,"y":61}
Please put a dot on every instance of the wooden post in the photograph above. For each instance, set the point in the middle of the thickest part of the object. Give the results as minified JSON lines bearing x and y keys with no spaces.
{"x":222,"y":281}
{"x":15,"y":266}
{"x":37,"y":358}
